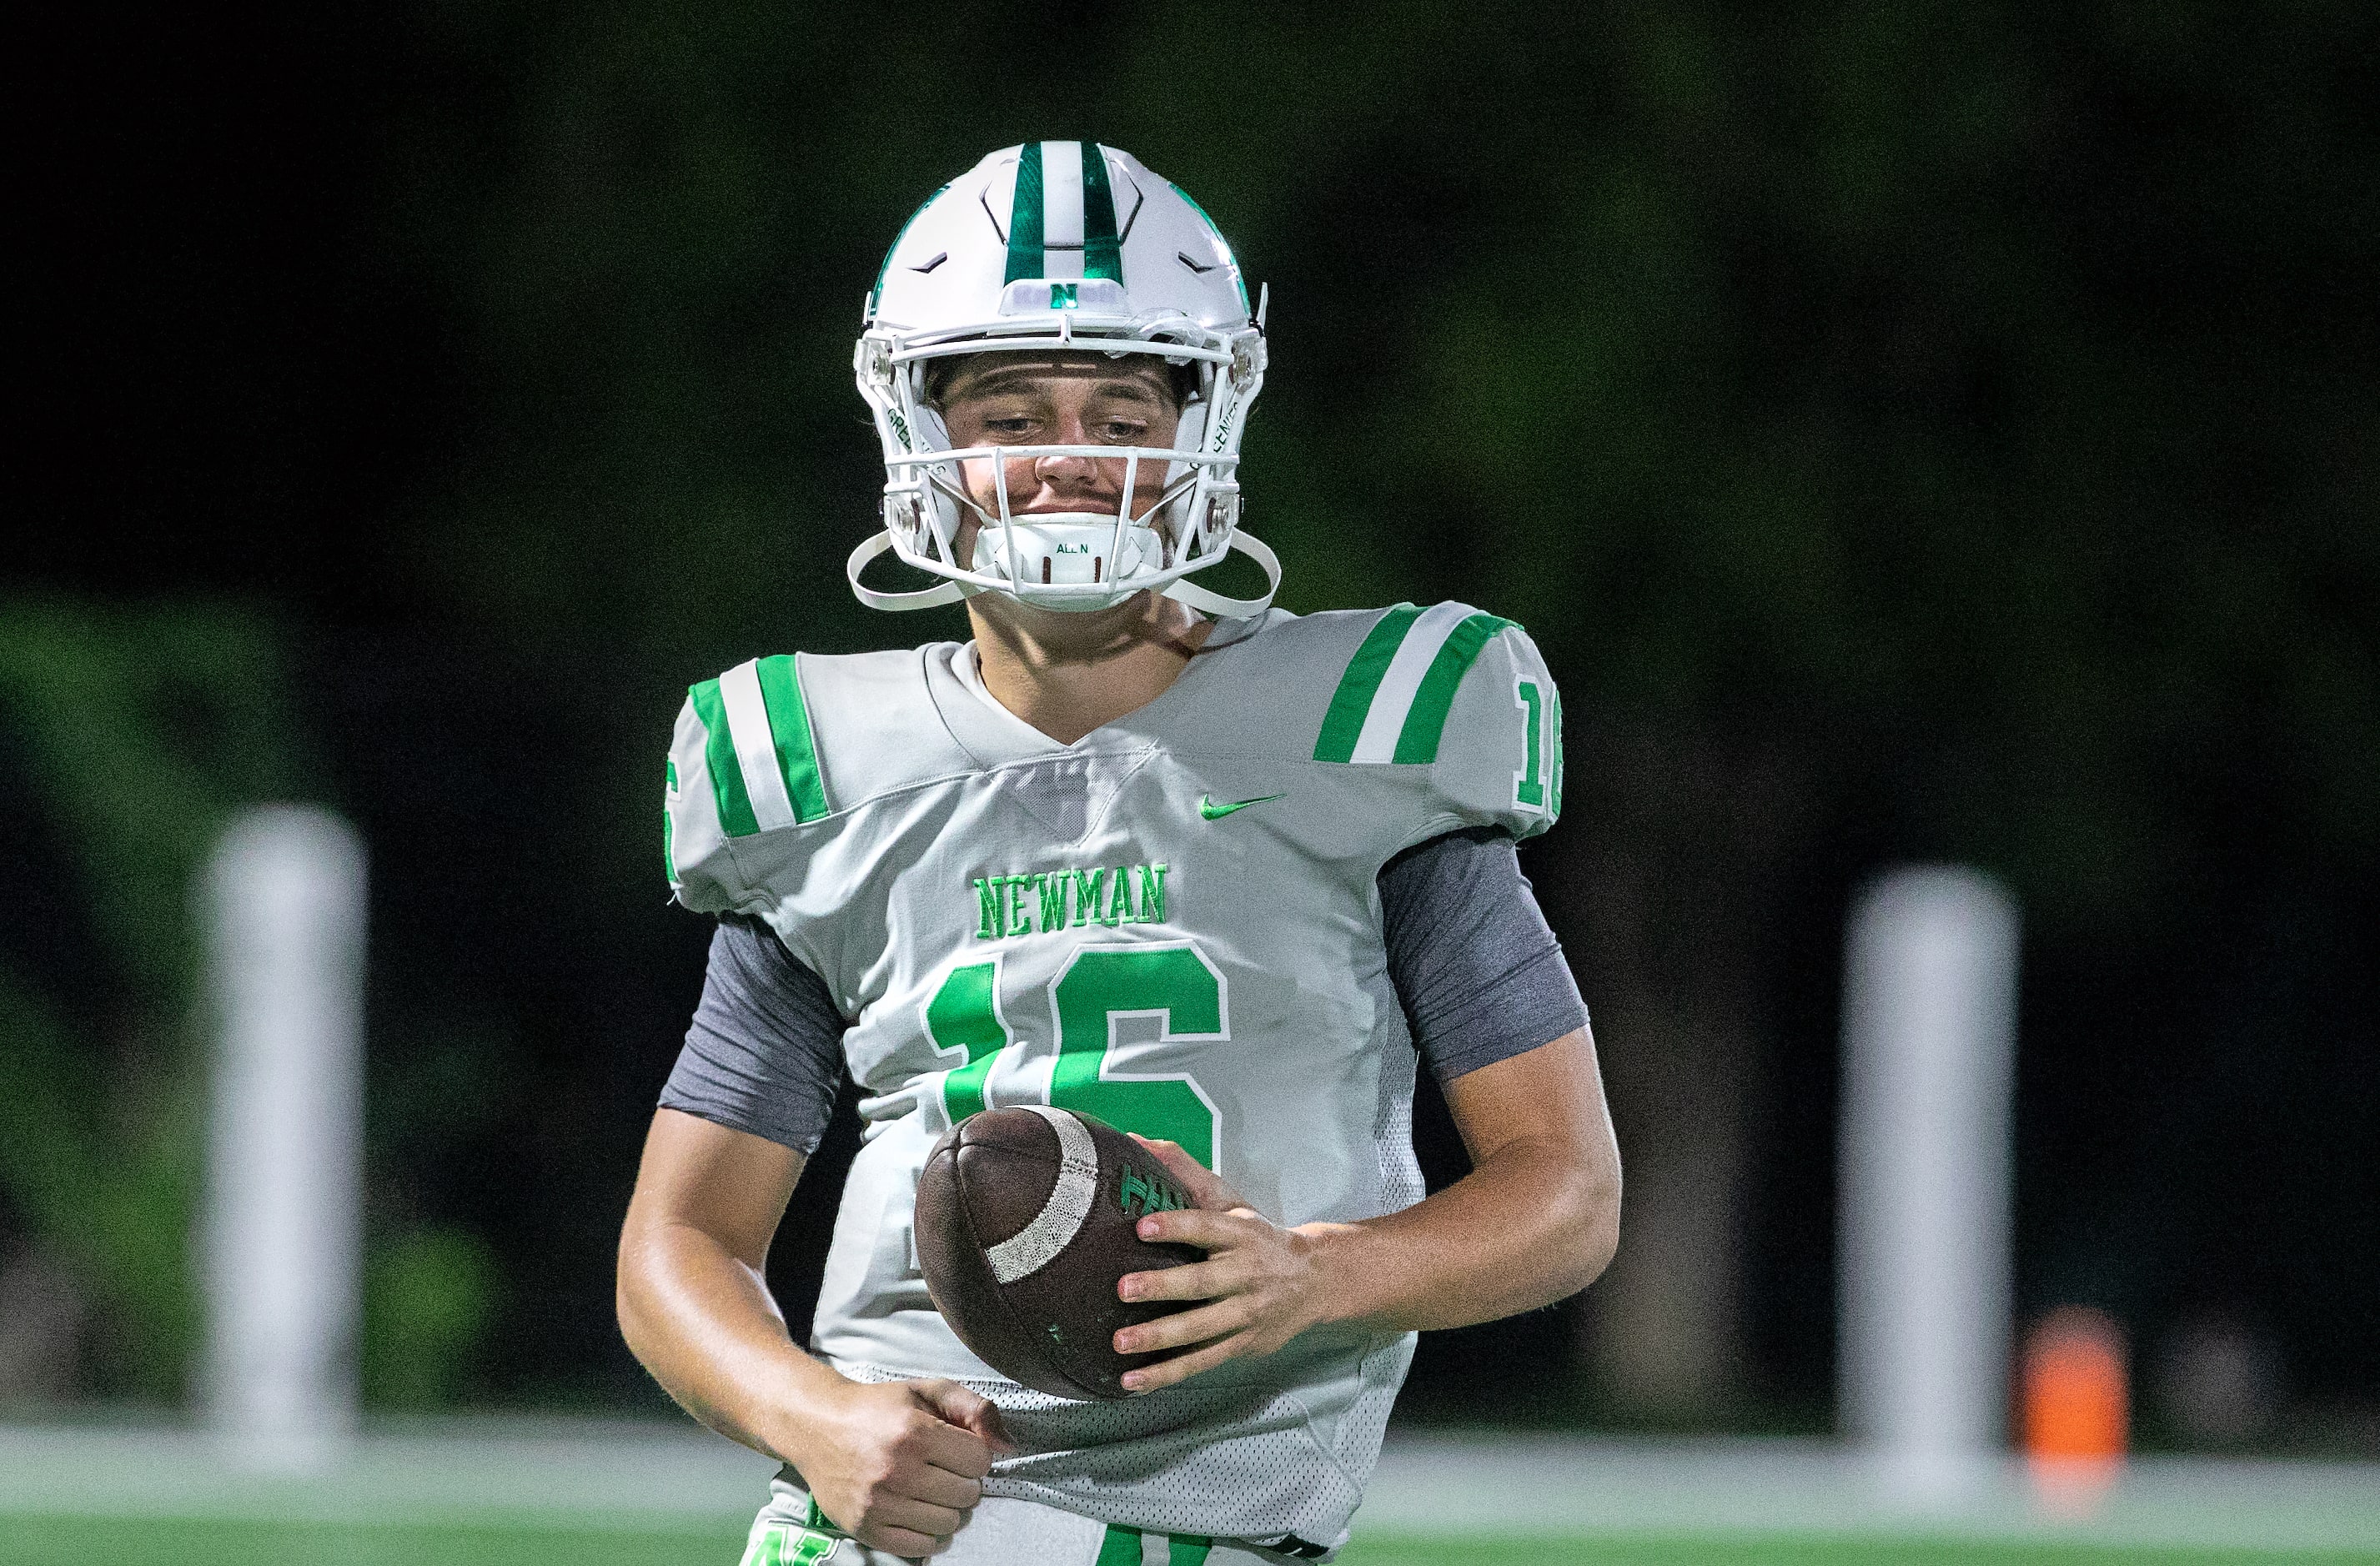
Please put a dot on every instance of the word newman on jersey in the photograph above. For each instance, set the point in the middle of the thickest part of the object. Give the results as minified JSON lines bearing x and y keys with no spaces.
{"x":1129,"y":894}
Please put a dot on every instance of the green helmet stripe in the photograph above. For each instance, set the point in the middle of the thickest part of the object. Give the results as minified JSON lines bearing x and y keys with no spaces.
{"x":1101,"y":255}
{"x":1025,"y":217}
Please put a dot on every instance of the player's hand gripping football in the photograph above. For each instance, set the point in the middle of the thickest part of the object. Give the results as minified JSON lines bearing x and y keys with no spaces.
{"x":899,"y":1464}
{"x":1263,"y":1284}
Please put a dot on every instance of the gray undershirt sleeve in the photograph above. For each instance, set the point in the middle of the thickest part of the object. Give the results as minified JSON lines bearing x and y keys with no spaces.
{"x":764,"y":1053}
{"x":1481,"y":977}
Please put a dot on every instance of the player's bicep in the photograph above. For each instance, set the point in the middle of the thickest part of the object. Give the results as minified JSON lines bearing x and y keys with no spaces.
{"x":726,"y":1183}
{"x":1551,"y":1096}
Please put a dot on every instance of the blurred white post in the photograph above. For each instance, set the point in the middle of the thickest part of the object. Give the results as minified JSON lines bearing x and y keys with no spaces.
{"x":281,"y":1234}
{"x":1929,"y":1056}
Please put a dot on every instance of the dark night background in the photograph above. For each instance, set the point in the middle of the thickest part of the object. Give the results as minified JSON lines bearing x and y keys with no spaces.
{"x":1923,"y":431}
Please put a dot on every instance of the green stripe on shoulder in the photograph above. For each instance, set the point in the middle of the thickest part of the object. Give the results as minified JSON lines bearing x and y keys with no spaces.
{"x":1343,"y":724}
{"x":1426,"y":719}
{"x":719,"y":751}
{"x":1119,"y":1547}
{"x":669,"y":827}
{"x":789,"y":728}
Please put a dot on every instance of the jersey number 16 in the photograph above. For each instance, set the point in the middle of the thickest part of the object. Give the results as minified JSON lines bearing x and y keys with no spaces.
{"x":1098,"y":987}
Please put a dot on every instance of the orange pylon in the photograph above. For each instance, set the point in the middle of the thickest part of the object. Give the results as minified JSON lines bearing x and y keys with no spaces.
{"x":2077,"y":1410}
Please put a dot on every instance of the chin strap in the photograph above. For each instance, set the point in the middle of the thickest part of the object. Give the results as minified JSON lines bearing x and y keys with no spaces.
{"x":924,"y":598}
{"x":1180,"y":590}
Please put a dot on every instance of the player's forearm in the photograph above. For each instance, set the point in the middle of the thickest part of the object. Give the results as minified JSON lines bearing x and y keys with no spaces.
{"x":1533,"y":1223}
{"x":703,"y":1322}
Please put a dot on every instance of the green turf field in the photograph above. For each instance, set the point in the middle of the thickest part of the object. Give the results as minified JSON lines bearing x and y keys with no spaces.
{"x":82,"y":1541}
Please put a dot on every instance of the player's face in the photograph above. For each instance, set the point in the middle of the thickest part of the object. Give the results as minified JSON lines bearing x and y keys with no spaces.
{"x":1064,"y":400}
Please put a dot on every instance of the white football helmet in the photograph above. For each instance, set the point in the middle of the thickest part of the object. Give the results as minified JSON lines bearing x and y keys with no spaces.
{"x":1061,"y":246}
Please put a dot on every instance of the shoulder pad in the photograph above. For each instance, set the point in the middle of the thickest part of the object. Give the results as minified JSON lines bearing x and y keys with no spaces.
{"x":875,"y":726}
{"x":1462,"y":692}
{"x":741,"y":763}
{"x":783,"y":742}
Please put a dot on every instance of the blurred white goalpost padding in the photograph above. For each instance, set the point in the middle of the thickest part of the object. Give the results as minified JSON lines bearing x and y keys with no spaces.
{"x":281,"y":1230}
{"x":1922,"y":1188}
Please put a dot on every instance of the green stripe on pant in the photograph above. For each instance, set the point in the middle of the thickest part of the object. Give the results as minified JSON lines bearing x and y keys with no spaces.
{"x":786,"y":1546}
{"x":1122,"y":1548}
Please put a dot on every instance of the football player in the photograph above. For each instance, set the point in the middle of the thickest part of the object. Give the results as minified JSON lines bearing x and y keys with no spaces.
{"x":1219,"y":875}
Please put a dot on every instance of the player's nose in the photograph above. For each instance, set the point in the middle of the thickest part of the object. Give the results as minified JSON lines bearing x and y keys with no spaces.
{"x":1076,"y":473}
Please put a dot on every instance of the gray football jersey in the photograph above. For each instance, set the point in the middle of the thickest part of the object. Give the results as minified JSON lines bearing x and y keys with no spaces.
{"x":1173,"y":924}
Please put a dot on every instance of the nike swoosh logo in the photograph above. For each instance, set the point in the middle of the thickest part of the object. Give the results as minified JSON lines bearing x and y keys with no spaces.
{"x":1214,"y":812}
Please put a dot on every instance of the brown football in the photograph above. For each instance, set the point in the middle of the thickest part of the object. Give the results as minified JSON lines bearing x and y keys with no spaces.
{"x":1025,"y":1219}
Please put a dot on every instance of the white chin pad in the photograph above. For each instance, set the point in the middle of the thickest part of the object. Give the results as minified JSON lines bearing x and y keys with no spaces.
{"x":1067,"y":553}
